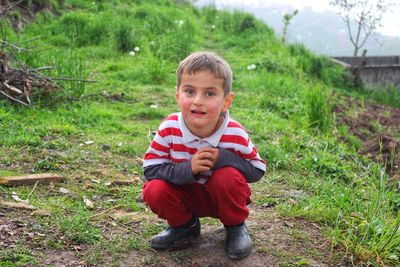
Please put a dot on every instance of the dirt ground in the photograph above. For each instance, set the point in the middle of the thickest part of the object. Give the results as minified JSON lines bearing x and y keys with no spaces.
{"x":277,"y":242}
{"x":378,"y":128}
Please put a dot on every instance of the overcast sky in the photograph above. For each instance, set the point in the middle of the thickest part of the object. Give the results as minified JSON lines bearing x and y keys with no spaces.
{"x":391,"y":21}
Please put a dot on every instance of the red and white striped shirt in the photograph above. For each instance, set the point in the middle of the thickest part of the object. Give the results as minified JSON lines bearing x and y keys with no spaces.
{"x":174,"y":142}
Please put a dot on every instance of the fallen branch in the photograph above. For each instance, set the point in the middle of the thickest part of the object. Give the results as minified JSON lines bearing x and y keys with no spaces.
{"x":14,"y":99}
{"x":18,"y":82}
{"x":16,"y":205}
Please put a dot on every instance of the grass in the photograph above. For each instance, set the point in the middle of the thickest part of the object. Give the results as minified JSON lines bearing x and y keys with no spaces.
{"x":278,"y":101}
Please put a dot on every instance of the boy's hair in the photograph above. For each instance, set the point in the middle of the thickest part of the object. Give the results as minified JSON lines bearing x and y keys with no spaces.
{"x":210,"y":61}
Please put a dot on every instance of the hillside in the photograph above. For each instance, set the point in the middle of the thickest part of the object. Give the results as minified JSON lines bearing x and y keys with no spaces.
{"x":321,"y":203}
{"x":323,"y":32}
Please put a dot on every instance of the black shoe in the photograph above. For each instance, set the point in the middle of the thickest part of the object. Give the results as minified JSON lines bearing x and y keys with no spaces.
{"x":173,"y":234}
{"x":238,"y":243}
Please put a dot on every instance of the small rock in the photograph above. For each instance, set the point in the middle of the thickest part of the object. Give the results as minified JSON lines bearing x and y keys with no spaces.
{"x":105,"y":147}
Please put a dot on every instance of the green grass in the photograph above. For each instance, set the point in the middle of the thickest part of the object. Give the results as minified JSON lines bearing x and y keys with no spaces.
{"x":285,"y":103}
{"x":16,"y":257}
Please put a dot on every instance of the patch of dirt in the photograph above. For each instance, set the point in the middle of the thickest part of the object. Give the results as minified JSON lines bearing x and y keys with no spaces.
{"x":378,"y":128}
{"x":276,"y":242}
{"x":22,"y":13}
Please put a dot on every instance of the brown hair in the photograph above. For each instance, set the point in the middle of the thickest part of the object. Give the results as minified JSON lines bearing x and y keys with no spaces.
{"x":210,"y":61}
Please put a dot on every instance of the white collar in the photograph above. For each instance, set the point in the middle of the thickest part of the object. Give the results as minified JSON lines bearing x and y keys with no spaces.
{"x":213,"y":140}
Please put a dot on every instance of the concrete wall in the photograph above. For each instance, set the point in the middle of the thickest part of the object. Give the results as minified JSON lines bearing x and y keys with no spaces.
{"x":378,"y":71}
{"x":381,"y":76}
{"x":389,"y":60}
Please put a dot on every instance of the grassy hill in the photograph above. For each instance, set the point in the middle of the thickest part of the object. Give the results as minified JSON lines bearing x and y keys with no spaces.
{"x":96,"y":133}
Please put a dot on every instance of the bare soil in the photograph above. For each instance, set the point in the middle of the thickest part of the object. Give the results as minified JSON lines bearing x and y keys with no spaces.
{"x":277,"y":242}
{"x":378,"y":127}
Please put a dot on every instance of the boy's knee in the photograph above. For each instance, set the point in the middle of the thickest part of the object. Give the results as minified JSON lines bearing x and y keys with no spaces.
{"x":228,"y":177}
{"x":154,"y":190}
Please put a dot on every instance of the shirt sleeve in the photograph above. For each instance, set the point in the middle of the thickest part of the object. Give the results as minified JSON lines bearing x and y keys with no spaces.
{"x":176,"y":173}
{"x":235,"y":139}
{"x":228,"y":158}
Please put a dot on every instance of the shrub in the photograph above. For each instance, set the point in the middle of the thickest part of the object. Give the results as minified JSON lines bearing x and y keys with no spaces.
{"x":125,"y":38}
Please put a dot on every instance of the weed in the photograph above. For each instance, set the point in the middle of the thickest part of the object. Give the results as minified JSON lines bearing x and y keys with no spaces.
{"x":386,"y":95}
{"x":125,"y":38}
{"x":319,"y":109}
{"x":16,"y":257}
{"x":78,"y":229}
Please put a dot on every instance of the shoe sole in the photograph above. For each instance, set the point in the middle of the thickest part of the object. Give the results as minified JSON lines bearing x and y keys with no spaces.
{"x":238,"y":257}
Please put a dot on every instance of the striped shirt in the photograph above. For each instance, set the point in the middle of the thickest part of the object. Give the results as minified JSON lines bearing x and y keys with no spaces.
{"x":174,"y":142}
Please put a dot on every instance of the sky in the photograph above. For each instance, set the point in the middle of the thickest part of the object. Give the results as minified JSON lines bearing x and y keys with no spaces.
{"x":390,"y":24}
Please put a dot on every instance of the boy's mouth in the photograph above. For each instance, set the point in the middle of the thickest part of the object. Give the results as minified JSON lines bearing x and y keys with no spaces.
{"x":198,"y":112}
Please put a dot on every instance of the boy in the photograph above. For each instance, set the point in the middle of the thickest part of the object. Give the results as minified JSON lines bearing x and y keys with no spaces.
{"x":201,"y":161}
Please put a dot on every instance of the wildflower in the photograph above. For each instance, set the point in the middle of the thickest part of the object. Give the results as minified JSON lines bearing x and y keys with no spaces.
{"x":179,"y":22}
{"x":132,"y":53}
{"x":137,"y":49}
{"x":251,"y":67}
{"x":213,"y":27}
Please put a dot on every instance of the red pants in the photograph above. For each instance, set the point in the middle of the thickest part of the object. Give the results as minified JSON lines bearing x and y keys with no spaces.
{"x":225,"y":196}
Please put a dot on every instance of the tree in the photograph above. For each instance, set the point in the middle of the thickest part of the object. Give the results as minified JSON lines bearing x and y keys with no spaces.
{"x":362,"y":18}
{"x":287,"y":18}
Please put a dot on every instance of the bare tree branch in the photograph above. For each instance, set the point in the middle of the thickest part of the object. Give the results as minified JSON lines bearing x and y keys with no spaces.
{"x":367,"y":15}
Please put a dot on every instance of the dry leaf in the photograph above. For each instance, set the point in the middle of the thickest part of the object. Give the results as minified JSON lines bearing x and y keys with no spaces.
{"x":89,"y":204}
{"x":45,"y":213}
{"x":288,"y":224}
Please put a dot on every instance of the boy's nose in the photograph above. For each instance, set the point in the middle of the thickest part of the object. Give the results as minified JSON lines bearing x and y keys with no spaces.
{"x":197,"y":100}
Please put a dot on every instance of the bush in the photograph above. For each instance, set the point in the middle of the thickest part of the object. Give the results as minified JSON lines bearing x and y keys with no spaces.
{"x":125,"y":38}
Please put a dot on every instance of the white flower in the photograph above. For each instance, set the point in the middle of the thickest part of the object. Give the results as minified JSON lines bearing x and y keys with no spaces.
{"x":179,"y":22}
{"x":132,"y":53}
{"x":137,"y":49}
{"x":251,"y":67}
{"x":213,"y":27}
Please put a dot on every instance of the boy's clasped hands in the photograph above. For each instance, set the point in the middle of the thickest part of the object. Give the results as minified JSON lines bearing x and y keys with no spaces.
{"x":204,"y":159}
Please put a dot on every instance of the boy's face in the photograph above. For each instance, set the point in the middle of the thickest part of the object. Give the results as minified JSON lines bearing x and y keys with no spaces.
{"x":201,"y":99}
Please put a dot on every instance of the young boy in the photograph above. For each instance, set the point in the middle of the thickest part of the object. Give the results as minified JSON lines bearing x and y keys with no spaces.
{"x":201,"y":161}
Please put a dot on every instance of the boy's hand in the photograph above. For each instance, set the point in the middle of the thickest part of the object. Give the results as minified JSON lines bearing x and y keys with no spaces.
{"x":204,"y":159}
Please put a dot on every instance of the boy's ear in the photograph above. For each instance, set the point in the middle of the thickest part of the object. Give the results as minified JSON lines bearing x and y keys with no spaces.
{"x":177,"y":94}
{"x":228,"y":101}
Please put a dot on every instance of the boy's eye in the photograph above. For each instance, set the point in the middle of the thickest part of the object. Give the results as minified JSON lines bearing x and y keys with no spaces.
{"x":189,"y":91}
{"x":210,"y":93}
